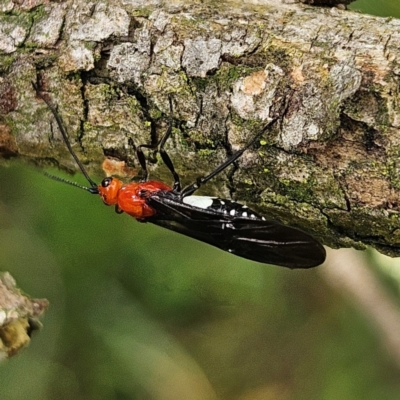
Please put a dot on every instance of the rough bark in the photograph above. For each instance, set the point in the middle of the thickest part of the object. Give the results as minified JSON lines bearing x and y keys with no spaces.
{"x":330,"y":163}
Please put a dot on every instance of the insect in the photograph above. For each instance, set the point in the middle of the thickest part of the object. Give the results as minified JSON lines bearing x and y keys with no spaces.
{"x":223,"y":223}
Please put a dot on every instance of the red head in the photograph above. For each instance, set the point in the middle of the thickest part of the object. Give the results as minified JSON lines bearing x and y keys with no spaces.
{"x":108,"y":190}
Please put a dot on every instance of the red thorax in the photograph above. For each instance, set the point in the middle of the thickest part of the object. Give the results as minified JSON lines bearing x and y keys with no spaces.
{"x":130,"y":197}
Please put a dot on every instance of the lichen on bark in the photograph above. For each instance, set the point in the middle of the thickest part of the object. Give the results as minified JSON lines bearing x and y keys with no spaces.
{"x":330,"y":162}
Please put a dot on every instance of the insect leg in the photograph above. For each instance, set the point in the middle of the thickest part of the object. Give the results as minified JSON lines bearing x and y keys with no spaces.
{"x":167,"y":160}
{"x":142,"y":158}
{"x":164,"y":155}
{"x":189,"y":190}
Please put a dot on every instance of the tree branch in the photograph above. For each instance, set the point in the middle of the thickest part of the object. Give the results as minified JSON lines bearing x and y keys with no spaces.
{"x":330,"y":164}
{"x":18,"y":316}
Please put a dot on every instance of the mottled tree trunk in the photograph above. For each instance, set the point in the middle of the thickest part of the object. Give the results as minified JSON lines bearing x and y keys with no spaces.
{"x":329,"y":164}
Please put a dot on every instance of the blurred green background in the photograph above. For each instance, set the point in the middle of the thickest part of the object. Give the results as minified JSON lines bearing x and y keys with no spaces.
{"x":137,"y":312}
{"x":382,"y":8}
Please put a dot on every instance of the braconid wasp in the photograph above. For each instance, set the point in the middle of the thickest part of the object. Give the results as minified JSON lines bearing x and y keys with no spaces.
{"x":228,"y":225}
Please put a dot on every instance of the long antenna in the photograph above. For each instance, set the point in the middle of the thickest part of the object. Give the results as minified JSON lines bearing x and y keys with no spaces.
{"x":64,"y":134}
{"x":92,"y":189}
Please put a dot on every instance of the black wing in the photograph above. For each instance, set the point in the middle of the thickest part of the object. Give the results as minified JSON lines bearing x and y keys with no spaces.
{"x":251,"y":237}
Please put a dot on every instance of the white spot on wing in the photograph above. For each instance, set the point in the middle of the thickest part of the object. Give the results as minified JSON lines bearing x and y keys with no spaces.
{"x":244,"y":214}
{"x":198,"y":201}
{"x":252,"y":216}
{"x":222,"y":202}
{"x":263,"y":218}
{"x":232,"y":212}
{"x":245,"y":207}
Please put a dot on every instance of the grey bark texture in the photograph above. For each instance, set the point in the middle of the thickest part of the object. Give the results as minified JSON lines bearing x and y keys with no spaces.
{"x":329,"y":165}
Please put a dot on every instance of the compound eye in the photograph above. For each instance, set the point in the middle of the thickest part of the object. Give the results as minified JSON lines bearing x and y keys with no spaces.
{"x":106,"y":182}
